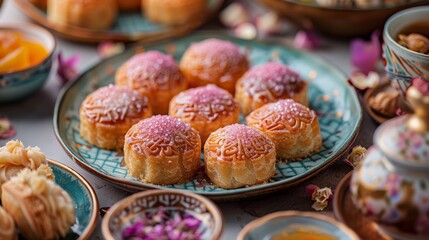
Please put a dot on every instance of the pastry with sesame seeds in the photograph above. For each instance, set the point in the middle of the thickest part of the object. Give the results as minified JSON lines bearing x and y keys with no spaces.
{"x":205,"y":108}
{"x":155,"y":75}
{"x":162,"y":150}
{"x":214,"y":61}
{"x":238,"y":156}
{"x":108,"y":113}
{"x":268,"y":83}
{"x":293,"y":128}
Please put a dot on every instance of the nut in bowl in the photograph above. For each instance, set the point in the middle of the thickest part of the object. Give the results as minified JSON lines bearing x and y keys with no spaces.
{"x":26,"y":53}
{"x":406,"y":46}
{"x":163,"y":214}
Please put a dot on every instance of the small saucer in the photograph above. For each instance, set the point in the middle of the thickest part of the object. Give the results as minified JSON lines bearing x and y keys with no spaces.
{"x":385,"y":86}
{"x":346,"y":212}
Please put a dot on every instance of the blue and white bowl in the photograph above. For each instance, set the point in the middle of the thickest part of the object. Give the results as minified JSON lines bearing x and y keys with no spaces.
{"x":19,"y":84}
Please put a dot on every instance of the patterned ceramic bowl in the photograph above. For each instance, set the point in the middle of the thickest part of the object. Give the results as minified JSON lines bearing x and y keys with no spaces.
{"x":19,"y":84}
{"x":127,"y":210}
{"x":402,"y":64}
{"x":288,"y":222}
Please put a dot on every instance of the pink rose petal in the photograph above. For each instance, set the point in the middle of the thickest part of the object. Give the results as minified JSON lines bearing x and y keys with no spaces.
{"x":366,"y":55}
{"x":268,"y":23}
{"x":67,"y":68}
{"x":361,"y":81}
{"x":306,"y":40}
{"x":421,"y":84}
{"x":6,"y":129}
{"x":234,"y":15}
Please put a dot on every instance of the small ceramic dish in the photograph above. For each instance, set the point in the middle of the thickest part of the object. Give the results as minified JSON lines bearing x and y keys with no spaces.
{"x":272,"y":225}
{"x":122,"y":213}
{"x":84,"y":199}
{"x":19,"y":84}
{"x":402,"y":64}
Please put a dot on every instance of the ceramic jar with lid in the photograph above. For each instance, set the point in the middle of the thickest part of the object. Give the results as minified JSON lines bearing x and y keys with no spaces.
{"x":392,"y":183}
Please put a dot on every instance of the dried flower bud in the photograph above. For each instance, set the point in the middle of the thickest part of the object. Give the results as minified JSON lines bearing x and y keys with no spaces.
{"x":356,"y":156}
{"x":362,"y":82}
{"x":268,"y":23}
{"x":246,"y":31}
{"x":415,"y":42}
{"x":234,"y":15}
{"x":321,"y":197}
{"x":6,"y":129}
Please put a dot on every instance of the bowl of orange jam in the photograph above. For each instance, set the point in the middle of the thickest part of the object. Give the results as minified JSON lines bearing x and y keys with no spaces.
{"x":296,"y":225}
{"x":26,"y":55}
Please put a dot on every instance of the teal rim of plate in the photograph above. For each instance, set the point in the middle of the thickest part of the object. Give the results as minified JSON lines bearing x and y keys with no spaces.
{"x":335,"y":102}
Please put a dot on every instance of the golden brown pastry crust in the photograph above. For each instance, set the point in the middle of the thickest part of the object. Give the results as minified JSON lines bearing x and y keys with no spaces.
{"x":39,"y":3}
{"x":129,"y":5}
{"x":214,"y":61}
{"x":162,"y":150}
{"x":205,"y":108}
{"x":7,"y":226}
{"x":293,"y":128}
{"x":154,"y":75}
{"x":40,"y":208}
{"x":108,"y":113}
{"x":92,"y":14}
{"x":237,"y":156}
{"x":268,"y":83}
{"x":175,"y":12}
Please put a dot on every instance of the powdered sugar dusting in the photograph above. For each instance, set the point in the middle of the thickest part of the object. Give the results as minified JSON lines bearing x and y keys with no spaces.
{"x":153,"y":70}
{"x":204,"y":103}
{"x":238,"y":142}
{"x":162,"y":135}
{"x":282,"y":115}
{"x":112,"y":104}
{"x":271,"y":80}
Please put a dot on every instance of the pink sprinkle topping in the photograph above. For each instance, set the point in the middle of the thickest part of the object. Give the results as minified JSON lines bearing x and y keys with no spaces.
{"x":217,"y":47}
{"x":276,"y":77}
{"x":112,"y":104}
{"x":240,"y":132}
{"x":289,"y":108}
{"x":163,"y":126}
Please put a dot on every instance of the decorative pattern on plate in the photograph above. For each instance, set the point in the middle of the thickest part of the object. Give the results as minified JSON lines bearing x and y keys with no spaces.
{"x":334,"y":101}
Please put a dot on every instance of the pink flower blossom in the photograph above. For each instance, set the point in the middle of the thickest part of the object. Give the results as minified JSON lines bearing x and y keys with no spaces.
{"x":306,"y":40}
{"x":6,"y":129}
{"x":362,"y":81}
{"x":356,"y":156}
{"x":320,"y":196}
{"x":366,"y":55}
{"x":67,"y":68}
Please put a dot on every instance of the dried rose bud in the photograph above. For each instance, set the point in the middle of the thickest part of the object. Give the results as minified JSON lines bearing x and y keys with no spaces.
{"x":306,"y":40}
{"x":234,"y":15}
{"x":362,"y":82}
{"x":268,"y":23}
{"x":6,"y":129}
{"x":415,"y":42}
{"x":356,"y":156}
{"x":321,"y":197}
{"x":246,"y":31}
{"x":310,"y":189}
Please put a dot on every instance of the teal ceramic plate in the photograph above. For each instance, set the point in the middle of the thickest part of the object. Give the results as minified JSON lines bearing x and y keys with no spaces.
{"x":332,"y":98}
{"x":129,"y":26}
{"x":83,"y":197}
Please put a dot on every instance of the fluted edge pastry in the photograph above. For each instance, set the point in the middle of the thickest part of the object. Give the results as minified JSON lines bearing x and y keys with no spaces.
{"x":40,"y":208}
{"x":7,"y":226}
{"x":237,"y":156}
{"x":162,"y":150}
{"x":268,"y":83}
{"x":108,"y":113}
{"x":205,"y":108}
{"x":293,"y":128}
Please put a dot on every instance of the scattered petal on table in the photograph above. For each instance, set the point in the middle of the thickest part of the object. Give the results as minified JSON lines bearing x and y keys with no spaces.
{"x":366,"y":55}
{"x":67,"y":68}
{"x":356,"y":156}
{"x":321,"y":197}
{"x":108,"y":49}
{"x":362,"y":81}
{"x":268,"y":23}
{"x":234,"y":15}
{"x":246,"y":31}
{"x":6,"y":129}
{"x":306,"y":40}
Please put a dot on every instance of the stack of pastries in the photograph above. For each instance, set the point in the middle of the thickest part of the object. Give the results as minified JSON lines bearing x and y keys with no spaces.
{"x":30,"y":199}
{"x":166,"y":149}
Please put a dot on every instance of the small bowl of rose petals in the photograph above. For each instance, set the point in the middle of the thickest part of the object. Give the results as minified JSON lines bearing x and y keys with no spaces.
{"x":163,"y":214}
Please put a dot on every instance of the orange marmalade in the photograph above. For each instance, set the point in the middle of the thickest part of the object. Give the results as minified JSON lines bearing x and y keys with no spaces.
{"x":17,"y":53}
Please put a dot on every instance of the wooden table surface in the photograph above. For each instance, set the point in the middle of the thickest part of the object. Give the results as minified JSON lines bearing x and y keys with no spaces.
{"x":32,"y":119}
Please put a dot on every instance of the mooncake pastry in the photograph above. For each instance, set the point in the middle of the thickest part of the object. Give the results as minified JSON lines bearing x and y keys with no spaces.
{"x":237,"y":156}
{"x":205,"y":108}
{"x":108,"y":113}
{"x":175,"y":12}
{"x":154,"y":75}
{"x":268,"y":83}
{"x":91,"y":14}
{"x":7,"y":226}
{"x":14,"y":157}
{"x":293,"y":128}
{"x":39,"y":3}
{"x":41,"y":209}
{"x":162,"y":150}
{"x":214,"y":61}
{"x":129,"y":5}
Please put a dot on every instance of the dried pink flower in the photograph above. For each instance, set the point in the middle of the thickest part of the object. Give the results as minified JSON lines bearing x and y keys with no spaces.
{"x":356,"y":156}
{"x":67,"y":68}
{"x":268,"y":23}
{"x":234,"y":15}
{"x":306,"y":40}
{"x":363,"y":81}
{"x":108,"y":49}
{"x":6,"y":129}
{"x":366,"y":55}
{"x":421,"y":84}
{"x":321,"y":196}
